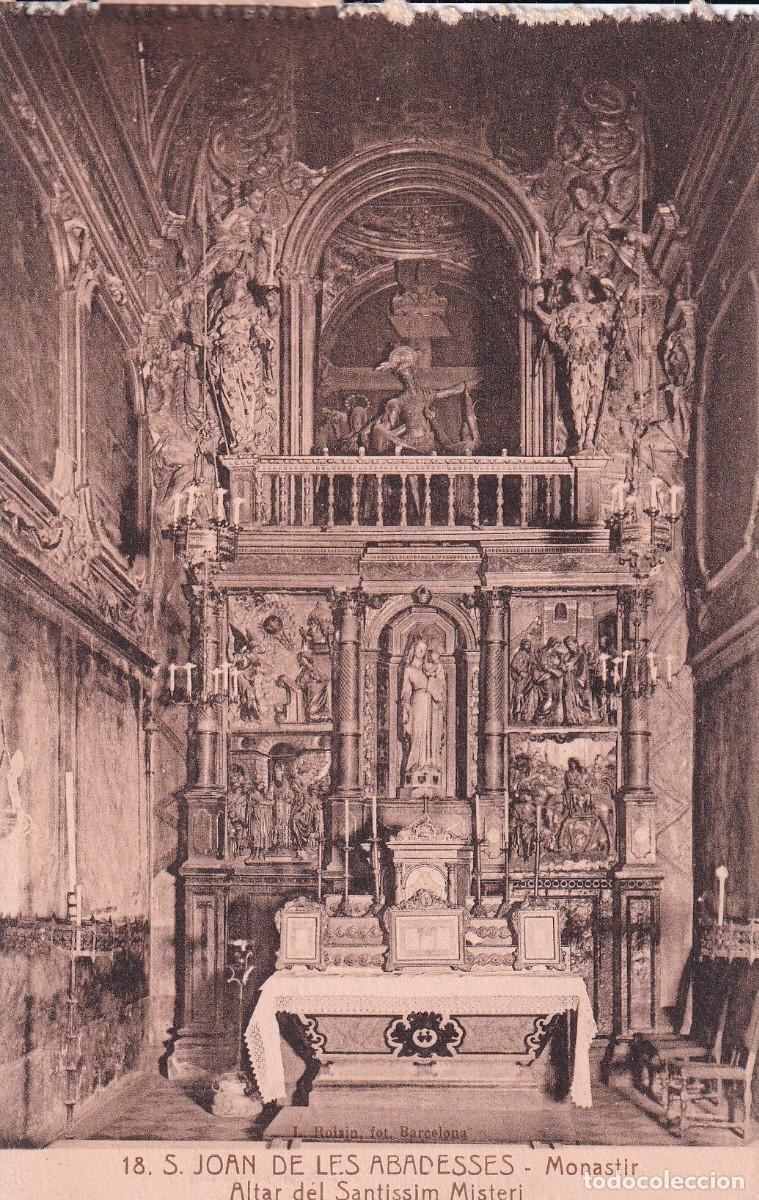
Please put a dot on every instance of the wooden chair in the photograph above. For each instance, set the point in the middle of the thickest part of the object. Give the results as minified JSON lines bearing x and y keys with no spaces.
{"x":707,"y":1092}
{"x":665,"y":1066}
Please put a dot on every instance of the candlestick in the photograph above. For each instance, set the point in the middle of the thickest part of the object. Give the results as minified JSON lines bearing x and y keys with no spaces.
{"x":220,"y":511}
{"x":192,"y":493}
{"x":477,"y":817}
{"x":346,"y":851}
{"x":177,"y":506}
{"x":71,"y":830}
{"x":320,"y":855}
{"x":374,"y":818}
{"x":78,"y":904}
{"x":237,"y":504}
{"x":721,"y":874}
{"x":505,"y":847}
{"x":189,"y":667}
{"x":538,"y":823}
{"x":172,"y":677}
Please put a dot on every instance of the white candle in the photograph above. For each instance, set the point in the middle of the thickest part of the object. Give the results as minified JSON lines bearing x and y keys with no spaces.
{"x":603,"y":659}
{"x":347,"y":830}
{"x":374,"y":818}
{"x":224,"y":668}
{"x":215,"y":674}
{"x":674,"y":492}
{"x":653,"y":670}
{"x":237,"y":504}
{"x":172,"y":677}
{"x":233,"y":673}
{"x":721,"y":874}
{"x":625,"y":656}
{"x":477,"y":817}
{"x":616,"y":663}
{"x":189,"y":667}
{"x":653,"y":493}
{"x":669,"y":669}
{"x":220,"y":494}
{"x":71,"y":830}
{"x":192,"y":492}
{"x":177,"y":506}
{"x":618,"y":497}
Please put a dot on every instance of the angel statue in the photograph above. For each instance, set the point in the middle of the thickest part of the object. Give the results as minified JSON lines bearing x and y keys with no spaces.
{"x":242,"y":361}
{"x":582,"y":329}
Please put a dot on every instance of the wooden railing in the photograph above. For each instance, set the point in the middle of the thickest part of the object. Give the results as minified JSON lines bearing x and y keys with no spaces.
{"x":378,"y":492}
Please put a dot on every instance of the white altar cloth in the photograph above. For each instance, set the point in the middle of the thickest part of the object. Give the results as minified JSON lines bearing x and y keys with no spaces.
{"x":316,"y":993}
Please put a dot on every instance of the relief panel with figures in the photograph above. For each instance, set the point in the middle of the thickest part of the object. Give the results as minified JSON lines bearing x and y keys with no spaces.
{"x":275,"y":797}
{"x":565,"y":787}
{"x":562,"y":661}
{"x":280,"y":648}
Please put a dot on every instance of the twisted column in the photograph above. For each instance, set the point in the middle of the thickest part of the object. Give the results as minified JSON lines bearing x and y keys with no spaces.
{"x":494,"y":608}
{"x":349,"y":607}
{"x":635,"y":731}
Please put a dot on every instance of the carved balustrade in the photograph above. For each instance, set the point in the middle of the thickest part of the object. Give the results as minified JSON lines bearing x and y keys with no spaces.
{"x":440,"y":492}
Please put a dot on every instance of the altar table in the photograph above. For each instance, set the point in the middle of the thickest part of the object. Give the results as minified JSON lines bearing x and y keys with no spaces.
{"x":313,"y":994}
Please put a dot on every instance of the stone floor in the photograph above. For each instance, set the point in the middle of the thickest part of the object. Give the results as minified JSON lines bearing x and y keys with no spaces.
{"x":150,"y":1107}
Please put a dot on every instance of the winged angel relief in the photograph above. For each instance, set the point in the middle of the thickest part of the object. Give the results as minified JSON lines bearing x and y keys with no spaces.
{"x":282,"y":652}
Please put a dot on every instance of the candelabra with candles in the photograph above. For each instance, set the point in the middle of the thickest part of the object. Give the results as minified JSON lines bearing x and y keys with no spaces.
{"x":642,"y":533}
{"x":185,"y":688}
{"x":642,"y":527}
{"x":636,"y":669}
{"x":212,"y":539}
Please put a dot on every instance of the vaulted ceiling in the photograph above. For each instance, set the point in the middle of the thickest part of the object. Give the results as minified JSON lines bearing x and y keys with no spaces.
{"x":354,"y":81}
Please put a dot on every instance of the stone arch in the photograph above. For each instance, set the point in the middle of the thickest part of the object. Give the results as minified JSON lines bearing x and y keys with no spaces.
{"x":392,"y":609}
{"x":457,"y":172}
{"x":455,"y":639}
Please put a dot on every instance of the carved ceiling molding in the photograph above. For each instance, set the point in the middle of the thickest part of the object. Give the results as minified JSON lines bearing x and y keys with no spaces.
{"x":78,"y":181}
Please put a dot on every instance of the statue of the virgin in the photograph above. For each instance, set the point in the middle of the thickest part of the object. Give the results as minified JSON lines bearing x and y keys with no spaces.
{"x":422,"y":713}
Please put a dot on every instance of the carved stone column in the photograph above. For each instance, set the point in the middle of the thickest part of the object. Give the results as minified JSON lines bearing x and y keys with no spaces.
{"x":494,"y":607}
{"x":299,"y":293}
{"x":348,"y":611}
{"x":638,"y":801}
{"x":637,"y":883}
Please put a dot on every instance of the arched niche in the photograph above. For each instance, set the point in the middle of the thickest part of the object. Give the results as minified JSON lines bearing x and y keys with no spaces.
{"x":465,"y":175}
{"x":451,"y":659}
{"x":479,"y":333}
{"x":112,"y":449}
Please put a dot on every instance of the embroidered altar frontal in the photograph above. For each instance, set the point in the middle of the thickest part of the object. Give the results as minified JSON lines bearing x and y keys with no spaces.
{"x":380,"y":1030}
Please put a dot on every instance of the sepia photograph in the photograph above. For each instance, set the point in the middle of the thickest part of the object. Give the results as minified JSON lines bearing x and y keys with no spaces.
{"x":379,"y":634}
